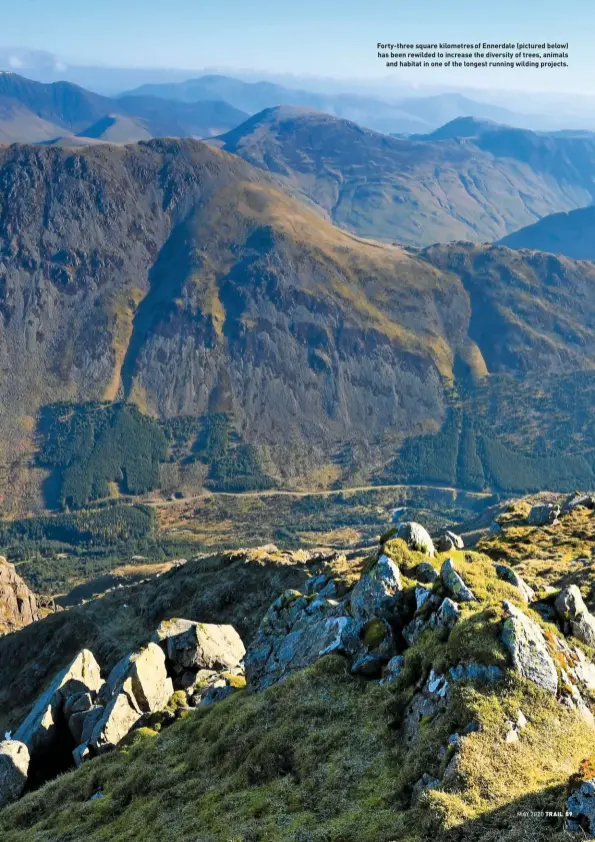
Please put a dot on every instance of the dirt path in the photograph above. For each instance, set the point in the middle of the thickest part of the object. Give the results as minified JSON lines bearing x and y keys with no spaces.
{"x":480,"y":495}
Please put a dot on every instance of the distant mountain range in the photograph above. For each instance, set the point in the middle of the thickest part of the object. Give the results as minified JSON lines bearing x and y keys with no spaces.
{"x":35,"y":112}
{"x":571,"y":234}
{"x":404,"y":116}
{"x":471,"y":179}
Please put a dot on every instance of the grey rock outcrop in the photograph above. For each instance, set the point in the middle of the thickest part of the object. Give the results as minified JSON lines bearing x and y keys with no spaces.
{"x":425,"y":705}
{"x":416,"y":537}
{"x":454,"y":583}
{"x":14,"y":765}
{"x":145,"y":676}
{"x":374,"y":594}
{"x":476,"y":672}
{"x":574,"y":615}
{"x":527,"y":649}
{"x":40,"y":727}
{"x":118,"y":718}
{"x":507,"y":574}
{"x":425,"y":783}
{"x":577,"y":501}
{"x":426,"y":573}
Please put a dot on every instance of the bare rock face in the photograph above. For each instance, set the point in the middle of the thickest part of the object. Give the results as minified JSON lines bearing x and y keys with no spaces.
{"x":294,"y":633}
{"x":14,"y":765}
{"x":18,"y":606}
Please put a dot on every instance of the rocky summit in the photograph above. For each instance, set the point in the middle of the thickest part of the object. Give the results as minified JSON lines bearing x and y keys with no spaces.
{"x":421,"y":690}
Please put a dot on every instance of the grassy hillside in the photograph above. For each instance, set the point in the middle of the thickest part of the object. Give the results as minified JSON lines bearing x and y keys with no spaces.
{"x":322,"y":756}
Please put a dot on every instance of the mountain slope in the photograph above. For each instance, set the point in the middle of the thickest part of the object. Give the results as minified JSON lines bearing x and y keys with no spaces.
{"x":180,"y":119}
{"x":571,"y":234}
{"x":116,"y":129}
{"x":35,"y":112}
{"x":182,"y":279}
{"x":419,"y":191}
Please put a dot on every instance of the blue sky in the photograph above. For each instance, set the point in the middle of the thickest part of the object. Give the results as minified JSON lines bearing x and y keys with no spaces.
{"x":321,"y":37}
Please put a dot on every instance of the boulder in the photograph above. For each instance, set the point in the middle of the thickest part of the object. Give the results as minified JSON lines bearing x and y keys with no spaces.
{"x":507,"y":574}
{"x":426,"y":573}
{"x":577,"y":501}
{"x":14,"y":766}
{"x":118,"y":718}
{"x":215,"y":694}
{"x":449,"y":541}
{"x":543,"y":514}
{"x":145,"y":673}
{"x":454,"y":584}
{"x":40,"y":728}
{"x":527,"y":649}
{"x":416,"y":537}
{"x":575,"y":615}
{"x":375,"y":592}
{"x":191,"y":645}
{"x":377,"y":648}
{"x":580,"y":810}
{"x":18,"y":606}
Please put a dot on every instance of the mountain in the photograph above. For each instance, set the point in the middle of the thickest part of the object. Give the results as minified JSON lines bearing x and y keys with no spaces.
{"x":469,"y":180}
{"x":179,"y":119}
{"x":35,"y":112}
{"x":114,"y":128}
{"x":415,"y":114}
{"x":168,"y":301}
{"x":561,"y":233}
{"x":170,"y":264}
{"x":60,"y":103}
{"x":406,"y":694}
